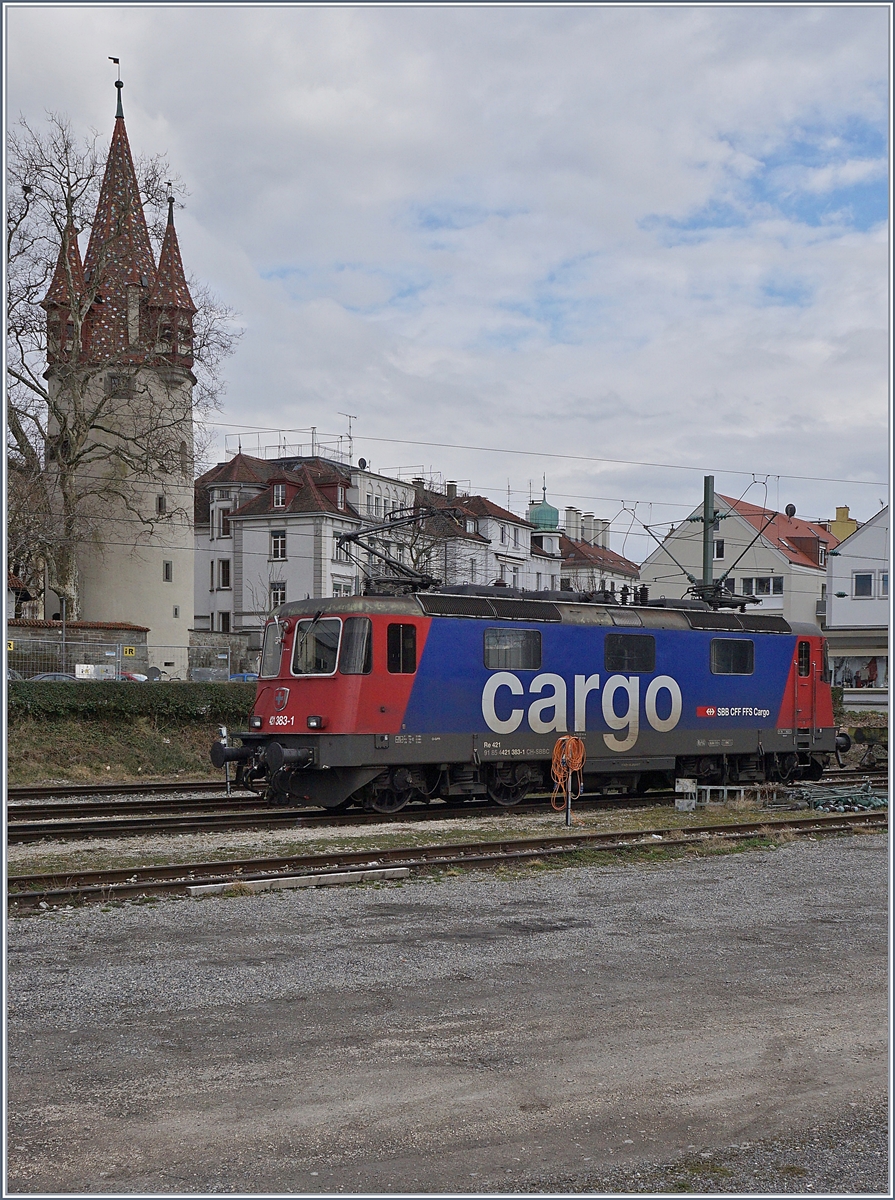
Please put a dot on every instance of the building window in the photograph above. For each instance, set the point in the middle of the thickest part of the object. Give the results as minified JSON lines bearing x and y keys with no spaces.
{"x":369,"y":504}
{"x":515,"y":577}
{"x":515,"y":537}
{"x":278,"y":544}
{"x":340,"y":553}
{"x":341,"y":497}
{"x":732,"y":656}
{"x":538,"y":581}
{"x":224,"y":573}
{"x":167,"y":571}
{"x":224,"y":522}
{"x":748,"y":587}
{"x":763,"y":587}
{"x":472,"y":570}
{"x":503,"y":535}
{"x":277,"y":594}
{"x":211,"y":573}
{"x":279,"y":495}
{"x":884,"y":584}
{"x":176,"y":611}
{"x":161,"y":506}
{"x":512,"y":649}
{"x":821,"y":556}
{"x":224,"y":622}
{"x":862,"y":585}
{"x":471,"y":525}
{"x":718,"y":548}
{"x":120,"y":387}
{"x":777,"y":585}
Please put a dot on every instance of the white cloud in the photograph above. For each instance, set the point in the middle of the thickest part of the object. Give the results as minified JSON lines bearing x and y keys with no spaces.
{"x":560,"y":230}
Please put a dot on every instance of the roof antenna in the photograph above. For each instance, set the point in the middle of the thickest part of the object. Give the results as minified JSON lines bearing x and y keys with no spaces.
{"x":117,"y":61}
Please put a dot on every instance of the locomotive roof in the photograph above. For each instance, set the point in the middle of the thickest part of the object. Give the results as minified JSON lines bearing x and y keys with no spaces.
{"x":569,"y":612}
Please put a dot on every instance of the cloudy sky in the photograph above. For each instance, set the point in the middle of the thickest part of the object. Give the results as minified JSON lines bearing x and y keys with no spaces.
{"x":574,"y":235}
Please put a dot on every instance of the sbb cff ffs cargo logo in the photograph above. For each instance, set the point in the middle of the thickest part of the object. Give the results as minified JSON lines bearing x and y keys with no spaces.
{"x":704,"y":711}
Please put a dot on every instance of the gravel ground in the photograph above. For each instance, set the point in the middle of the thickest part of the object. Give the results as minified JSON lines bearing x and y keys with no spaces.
{"x":530,"y":1030}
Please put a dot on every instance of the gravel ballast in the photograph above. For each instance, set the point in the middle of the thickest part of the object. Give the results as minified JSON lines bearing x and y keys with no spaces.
{"x":707,"y":1024}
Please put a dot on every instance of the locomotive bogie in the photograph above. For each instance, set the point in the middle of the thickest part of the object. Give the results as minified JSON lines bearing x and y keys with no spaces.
{"x":385,"y":701}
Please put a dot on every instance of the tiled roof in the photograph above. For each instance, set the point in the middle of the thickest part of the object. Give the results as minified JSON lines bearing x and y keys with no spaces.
{"x":29,"y":623}
{"x":170,"y":290}
{"x":481,"y":506}
{"x":119,"y":253}
{"x":59,"y":292}
{"x":307,"y":497}
{"x":14,"y":583}
{"x":241,"y":468}
{"x":583,"y":554}
{"x":785,"y":533}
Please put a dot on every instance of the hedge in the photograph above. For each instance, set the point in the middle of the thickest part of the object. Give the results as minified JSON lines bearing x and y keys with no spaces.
{"x":220,"y":703}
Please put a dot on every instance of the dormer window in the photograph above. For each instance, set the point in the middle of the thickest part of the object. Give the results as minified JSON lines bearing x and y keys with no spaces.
{"x":822,"y":555}
{"x":279,"y":495}
{"x":341,"y":497}
{"x":471,"y":525}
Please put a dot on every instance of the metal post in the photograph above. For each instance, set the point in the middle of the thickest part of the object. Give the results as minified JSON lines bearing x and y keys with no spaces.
{"x":226,"y":741}
{"x":568,"y":793}
{"x":62,"y":667}
{"x":708,"y":521}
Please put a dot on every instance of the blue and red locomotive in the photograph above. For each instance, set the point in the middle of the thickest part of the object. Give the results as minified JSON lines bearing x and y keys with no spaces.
{"x":380,"y":700}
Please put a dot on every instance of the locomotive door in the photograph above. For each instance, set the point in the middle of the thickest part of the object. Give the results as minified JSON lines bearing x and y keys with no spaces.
{"x":804,"y":687}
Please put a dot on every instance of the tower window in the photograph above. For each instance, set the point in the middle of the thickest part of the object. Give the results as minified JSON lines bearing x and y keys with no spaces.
{"x":176,"y":610}
{"x":167,"y":571}
{"x":224,"y":522}
{"x":161,"y":505}
{"x":119,"y":386}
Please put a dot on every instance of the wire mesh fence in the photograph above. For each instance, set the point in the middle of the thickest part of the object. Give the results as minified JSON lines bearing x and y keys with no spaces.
{"x":50,"y":660}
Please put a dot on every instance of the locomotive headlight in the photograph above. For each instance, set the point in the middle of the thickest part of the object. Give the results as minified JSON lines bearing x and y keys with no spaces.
{"x":316,"y":722}
{"x":256,"y":722}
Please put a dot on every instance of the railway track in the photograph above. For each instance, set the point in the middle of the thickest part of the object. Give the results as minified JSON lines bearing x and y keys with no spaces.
{"x":72,"y":821}
{"x":173,"y":787}
{"x":52,"y":890}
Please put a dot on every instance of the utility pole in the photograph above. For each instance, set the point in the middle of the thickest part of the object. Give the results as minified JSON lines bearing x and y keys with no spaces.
{"x":708,"y":523}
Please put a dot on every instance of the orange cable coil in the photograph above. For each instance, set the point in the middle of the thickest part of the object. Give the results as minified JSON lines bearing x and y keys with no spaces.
{"x":569,"y":757}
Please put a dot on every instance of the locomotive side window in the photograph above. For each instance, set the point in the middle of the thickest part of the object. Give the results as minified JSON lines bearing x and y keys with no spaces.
{"x":629,"y":652}
{"x":316,"y":646}
{"x":804,"y":658}
{"x":733,"y":656}
{"x":356,"y":657}
{"x":513,"y":649}
{"x":402,"y":649}
{"x":270,"y":654}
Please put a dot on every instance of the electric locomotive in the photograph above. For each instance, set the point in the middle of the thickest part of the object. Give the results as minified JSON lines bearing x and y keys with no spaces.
{"x":380,"y":700}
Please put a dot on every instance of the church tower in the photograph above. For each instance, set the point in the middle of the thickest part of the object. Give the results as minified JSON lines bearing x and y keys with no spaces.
{"x":120,"y":358}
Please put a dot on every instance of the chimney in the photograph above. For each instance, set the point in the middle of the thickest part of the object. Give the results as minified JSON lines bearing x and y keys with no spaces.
{"x":587,"y":528}
{"x":601,"y":533}
{"x":451,"y":489}
{"x":573,"y":524}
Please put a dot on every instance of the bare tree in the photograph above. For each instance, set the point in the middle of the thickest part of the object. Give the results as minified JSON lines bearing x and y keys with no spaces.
{"x":89,"y":434}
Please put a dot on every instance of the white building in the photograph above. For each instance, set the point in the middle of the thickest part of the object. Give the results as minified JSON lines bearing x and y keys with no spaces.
{"x":857,"y":615}
{"x":779,"y":560}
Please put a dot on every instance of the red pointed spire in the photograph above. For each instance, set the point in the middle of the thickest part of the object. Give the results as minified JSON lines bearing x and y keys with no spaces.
{"x":67,"y":285}
{"x":119,"y":254}
{"x":170,"y":289}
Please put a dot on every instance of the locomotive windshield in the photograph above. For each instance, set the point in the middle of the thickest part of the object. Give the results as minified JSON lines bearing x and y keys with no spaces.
{"x":270,"y":654}
{"x":316,"y":646}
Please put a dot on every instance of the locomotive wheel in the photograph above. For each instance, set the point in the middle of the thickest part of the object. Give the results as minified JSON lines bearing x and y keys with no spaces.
{"x":506,"y":794}
{"x":388,"y":801}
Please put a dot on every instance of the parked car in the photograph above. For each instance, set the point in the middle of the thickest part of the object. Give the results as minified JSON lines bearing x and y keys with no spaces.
{"x":131,"y":677}
{"x":11,"y":674}
{"x":244,"y":677}
{"x":53,"y":677}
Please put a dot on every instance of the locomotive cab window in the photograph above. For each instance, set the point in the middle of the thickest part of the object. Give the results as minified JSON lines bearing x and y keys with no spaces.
{"x":629,"y":652}
{"x":316,"y":646}
{"x":733,"y":656}
{"x":401,"y":649}
{"x":270,"y":653}
{"x":513,"y":649}
{"x":356,"y":657}
{"x":804,"y":658}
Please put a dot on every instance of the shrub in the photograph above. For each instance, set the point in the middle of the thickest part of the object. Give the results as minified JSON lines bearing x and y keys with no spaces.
{"x":220,"y":703}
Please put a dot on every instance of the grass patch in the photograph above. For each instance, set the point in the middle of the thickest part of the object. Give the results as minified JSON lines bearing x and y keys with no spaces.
{"x":77,"y":751}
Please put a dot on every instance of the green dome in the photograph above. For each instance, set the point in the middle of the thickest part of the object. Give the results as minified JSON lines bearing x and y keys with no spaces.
{"x":543,"y":515}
